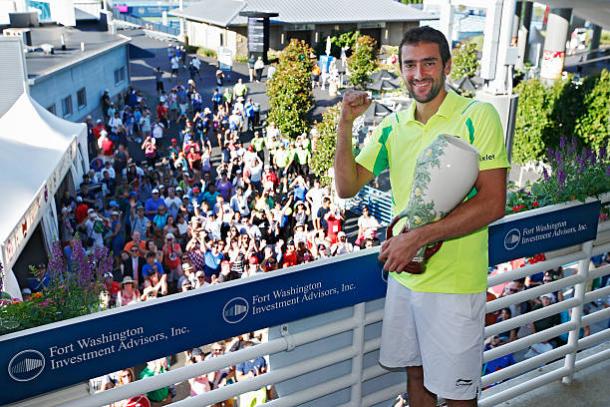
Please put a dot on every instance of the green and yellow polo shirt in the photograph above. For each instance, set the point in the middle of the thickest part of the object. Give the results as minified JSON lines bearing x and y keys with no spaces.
{"x":460,"y":266}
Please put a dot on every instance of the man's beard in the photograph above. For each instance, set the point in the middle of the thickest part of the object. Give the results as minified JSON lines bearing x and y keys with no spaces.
{"x":434,"y":91}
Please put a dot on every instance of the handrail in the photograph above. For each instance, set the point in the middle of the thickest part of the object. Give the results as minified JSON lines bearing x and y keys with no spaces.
{"x":357,"y":322}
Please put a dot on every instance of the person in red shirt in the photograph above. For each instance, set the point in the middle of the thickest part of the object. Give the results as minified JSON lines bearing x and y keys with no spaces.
{"x":105,"y":144}
{"x":162,"y":112}
{"x":80,"y":213}
{"x":290,"y":256}
{"x":172,"y":257}
{"x":97,"y":129}
{"x":333,"y":220}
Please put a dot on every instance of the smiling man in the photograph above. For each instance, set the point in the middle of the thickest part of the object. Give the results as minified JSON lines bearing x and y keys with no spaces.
{"x":433,"y":322}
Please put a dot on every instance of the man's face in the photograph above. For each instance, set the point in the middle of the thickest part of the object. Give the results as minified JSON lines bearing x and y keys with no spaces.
{"x":423,"y":70}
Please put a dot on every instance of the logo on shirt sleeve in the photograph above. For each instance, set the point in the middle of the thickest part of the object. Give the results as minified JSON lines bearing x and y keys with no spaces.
{"x":487,"y":157}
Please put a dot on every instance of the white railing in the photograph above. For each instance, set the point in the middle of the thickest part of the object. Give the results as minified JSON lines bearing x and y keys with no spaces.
{"x":366,"y":317}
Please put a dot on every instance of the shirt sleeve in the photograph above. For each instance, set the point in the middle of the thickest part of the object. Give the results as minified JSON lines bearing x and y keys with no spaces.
{"x":486,"y":128}
{"x":374,"y":155}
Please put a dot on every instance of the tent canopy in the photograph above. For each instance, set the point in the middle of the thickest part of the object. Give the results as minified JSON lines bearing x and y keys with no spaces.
{"x":33,"y":142}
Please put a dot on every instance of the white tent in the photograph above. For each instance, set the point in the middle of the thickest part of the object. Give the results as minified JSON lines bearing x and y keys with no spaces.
{"x":37,"y":150}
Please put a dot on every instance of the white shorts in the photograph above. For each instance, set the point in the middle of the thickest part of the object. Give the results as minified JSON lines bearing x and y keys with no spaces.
{"x":441,"y":332}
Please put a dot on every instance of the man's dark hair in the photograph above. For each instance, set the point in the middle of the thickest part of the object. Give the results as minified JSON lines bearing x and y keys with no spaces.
{"x":425,"y":34}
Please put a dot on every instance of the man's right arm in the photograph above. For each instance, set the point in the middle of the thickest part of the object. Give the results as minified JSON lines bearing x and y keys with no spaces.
{"x":349,"y":175}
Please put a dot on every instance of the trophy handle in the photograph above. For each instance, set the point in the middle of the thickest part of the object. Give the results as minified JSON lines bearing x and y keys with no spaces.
{"x":416,"y":266}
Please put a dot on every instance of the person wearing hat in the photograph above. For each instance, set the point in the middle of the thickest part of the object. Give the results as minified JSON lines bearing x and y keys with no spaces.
{"x":200,"y":384}
{"x":342,"y":246}
{"x":116,"y":237}
{"x":200,"y":279}
{"x":112,"y":287}
{"x":26,"y":294}
{"x":151,"y":206}
{"x":129,"y":293}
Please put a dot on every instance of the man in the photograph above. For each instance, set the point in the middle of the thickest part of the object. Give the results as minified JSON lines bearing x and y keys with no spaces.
{"x":433,"y":323}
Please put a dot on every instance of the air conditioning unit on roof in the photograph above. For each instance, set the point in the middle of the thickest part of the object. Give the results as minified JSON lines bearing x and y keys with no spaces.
{"x":24,"y":33}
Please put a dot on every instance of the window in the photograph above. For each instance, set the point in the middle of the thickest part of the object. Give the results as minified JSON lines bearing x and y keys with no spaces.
{"x":52,"y":109}
{"x":119,"y":75}
{"x":66,"y":106}
{"x":81,"y":98}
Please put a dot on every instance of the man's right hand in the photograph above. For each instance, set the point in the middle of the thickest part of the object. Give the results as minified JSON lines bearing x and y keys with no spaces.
{"x":355,"y":102}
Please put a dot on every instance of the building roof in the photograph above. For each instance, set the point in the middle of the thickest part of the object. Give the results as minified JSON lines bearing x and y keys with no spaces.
{"x":226,"y":13}
{"x":40,"y":65}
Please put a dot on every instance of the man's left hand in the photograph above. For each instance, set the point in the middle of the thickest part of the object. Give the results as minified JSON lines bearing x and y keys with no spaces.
{"x":397,"y":252}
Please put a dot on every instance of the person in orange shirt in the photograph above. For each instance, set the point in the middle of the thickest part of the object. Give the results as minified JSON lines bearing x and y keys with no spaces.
{"x":136,"y":240}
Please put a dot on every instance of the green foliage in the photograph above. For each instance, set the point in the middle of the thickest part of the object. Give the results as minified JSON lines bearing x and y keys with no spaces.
{"x":206,"y":52}
{"x":290,"y":93}
{"x":593,"y":126}
{"x":363,"y":61}
{"x":347,"y":39}
{"x":532,"y":119}
{"x":464,"y":61}
{"x":411,"y":1}
{"x":567,"y":108}
{"x":576,"y":173}
{"x":325,"y":144}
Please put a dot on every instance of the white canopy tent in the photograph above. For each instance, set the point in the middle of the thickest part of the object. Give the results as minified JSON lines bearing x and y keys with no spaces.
{"x":37,"y":150}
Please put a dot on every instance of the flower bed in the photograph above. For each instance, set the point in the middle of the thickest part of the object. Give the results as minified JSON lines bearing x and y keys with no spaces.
{"x":70,"y":287}
{"x":573,"y":173}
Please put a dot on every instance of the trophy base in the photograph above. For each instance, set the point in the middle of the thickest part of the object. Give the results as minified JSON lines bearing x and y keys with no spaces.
{"x":418,"y":264}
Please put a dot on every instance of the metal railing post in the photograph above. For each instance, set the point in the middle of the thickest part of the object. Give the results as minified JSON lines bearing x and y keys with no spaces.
{"x":357,"y":360}
{"x":579,"y":294}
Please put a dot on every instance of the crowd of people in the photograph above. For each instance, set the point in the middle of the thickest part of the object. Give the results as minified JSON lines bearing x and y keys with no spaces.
{"x":536,"y":303}
{"x":215,"y":195}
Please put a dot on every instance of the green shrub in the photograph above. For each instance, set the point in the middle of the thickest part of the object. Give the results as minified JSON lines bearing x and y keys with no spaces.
{"x":242,"y":59}
{"x":565,"y":109}
{"x":464,"y":61}
{"x":290,"y":93}
{"x":593,"y":126}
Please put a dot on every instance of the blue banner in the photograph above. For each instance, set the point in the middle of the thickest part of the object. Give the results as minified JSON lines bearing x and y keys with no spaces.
{"x":542,"y":233}
{"x":62,"y":354}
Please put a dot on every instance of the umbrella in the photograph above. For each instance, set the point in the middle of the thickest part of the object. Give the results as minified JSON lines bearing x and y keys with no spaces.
{"x":376,"y":112}
{"x":383,"y":74}
{"x":328,"y":45}
{"x":383,"y":84}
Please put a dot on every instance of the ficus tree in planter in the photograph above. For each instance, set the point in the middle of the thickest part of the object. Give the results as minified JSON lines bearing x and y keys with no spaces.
{"x":290,"y":93}
{"x":363,"y":61}
{"x":325,"y":143}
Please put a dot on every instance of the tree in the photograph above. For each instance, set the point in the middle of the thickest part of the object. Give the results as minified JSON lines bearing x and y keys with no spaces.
{"x":325,"y":144}
{"x":464,"y":62}
{"x":290,"y":93}
{"x":363,"y":61}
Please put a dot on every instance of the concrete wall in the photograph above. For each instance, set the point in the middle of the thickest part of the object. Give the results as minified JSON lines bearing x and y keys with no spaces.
{"x":95,"y":75}
{"x":209,"y":36}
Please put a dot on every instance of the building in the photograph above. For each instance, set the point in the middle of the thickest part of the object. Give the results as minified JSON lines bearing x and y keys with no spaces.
{"x":70,"y":82}
{"x":213,"y":24}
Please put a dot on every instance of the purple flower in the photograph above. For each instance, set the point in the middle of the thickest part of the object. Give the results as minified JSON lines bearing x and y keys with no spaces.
{"x":56,"y":265}
{"x":561,"y":177}
{"x":558,"y":158}
{"x":550,"y":153}
{"x":562,"y":142}
{"x":573,"y":145}
{"x":602,"y":153}
{"x":83,"y":270}
{"x":545,"y":174}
